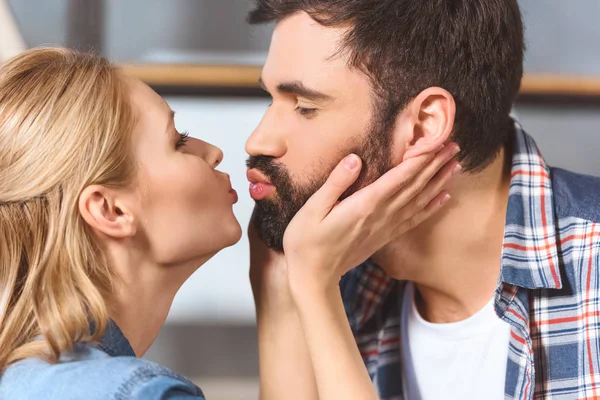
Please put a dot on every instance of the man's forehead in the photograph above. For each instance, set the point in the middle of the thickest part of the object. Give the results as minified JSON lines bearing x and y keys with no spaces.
{"x":301,"y":37}
{"x":303,"y":51}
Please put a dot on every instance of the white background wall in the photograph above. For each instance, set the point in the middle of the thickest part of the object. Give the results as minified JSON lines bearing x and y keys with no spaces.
{"x":220,"y":290}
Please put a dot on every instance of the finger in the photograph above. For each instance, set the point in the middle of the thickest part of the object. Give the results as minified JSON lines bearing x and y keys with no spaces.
{"x":419,"y":169}
{"x":429,"y":170}
{"x":417,"y":219}
{"x":413,"y":199}
{"x":407,"y":190}
{"x":340,"y":179}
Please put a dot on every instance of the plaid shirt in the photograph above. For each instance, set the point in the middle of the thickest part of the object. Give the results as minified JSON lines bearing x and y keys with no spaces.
{"x":548,"y":289}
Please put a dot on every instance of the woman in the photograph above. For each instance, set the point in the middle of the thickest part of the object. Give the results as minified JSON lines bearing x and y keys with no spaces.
{"x":106,"y":210}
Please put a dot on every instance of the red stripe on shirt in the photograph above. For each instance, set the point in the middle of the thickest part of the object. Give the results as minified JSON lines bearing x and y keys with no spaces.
{"x":542,"y":174}
{"x":587,"y":303}
{"x":545,"y":226}
{"x":549,"y":246}
{"x":517,"y":338}
{"x":516,"y":314}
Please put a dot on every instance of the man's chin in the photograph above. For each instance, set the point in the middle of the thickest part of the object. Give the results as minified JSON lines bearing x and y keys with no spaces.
{"x":273,"y":242}
{"x":269,"y":225}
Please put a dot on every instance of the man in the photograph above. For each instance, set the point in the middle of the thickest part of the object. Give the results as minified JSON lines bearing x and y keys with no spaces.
{"x":495,"y":296}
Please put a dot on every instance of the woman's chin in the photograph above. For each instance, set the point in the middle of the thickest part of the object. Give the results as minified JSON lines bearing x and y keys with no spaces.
{"x":231,"y":235}
{"x":228,"y":236}
{"x":236,"y":234}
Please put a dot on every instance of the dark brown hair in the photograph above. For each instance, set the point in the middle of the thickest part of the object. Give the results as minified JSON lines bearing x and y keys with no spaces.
{"x":472,"y":48}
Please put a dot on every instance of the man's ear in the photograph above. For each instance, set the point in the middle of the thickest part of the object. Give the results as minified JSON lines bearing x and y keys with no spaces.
{"x":104,"y":210}
{"x":429,"y":118}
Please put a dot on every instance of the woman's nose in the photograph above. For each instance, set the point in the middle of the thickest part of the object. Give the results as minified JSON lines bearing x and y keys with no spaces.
{"x":216,"y":156}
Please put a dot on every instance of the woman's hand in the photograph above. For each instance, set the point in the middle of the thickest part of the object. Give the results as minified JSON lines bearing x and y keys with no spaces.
{"x":327,"y":237}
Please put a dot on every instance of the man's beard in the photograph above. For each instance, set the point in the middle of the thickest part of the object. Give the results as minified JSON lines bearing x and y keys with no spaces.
{"x":272,"y":216}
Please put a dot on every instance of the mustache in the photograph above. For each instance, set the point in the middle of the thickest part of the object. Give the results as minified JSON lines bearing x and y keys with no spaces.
{"x":271,"y":168}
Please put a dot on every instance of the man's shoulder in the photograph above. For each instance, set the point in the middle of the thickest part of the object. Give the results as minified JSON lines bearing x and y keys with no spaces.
{"x":93,"y":376}
{"x":576,"y":195}
{"x":577,"y":210}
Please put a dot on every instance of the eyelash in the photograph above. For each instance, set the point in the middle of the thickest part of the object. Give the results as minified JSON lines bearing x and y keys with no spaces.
{"x":306,"y":112}
{"x":183,"y":138}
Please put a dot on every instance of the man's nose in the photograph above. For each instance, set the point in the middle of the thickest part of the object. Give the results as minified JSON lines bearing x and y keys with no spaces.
{"x":268,"y":139}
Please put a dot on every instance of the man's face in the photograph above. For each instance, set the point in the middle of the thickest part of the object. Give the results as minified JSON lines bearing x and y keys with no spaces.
{"x":322,"y":111}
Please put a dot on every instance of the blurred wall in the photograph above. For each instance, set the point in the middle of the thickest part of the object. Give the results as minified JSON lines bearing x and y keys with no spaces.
{"x":562,"y":36}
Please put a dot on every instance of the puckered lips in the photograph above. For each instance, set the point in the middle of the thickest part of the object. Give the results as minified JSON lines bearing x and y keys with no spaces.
{"x":260,"y":185}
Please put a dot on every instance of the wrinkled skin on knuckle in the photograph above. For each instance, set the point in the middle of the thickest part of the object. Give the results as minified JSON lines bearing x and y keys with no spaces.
{"x":421,"y":202}
{"x":411,"y":223}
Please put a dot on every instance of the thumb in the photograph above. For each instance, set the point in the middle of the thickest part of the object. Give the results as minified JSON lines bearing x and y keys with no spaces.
{"x":340,"y":179}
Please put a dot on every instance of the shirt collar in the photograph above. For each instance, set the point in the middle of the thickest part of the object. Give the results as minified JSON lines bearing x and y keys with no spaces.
{"x":530,"y":251}
{"x":114,"y":342}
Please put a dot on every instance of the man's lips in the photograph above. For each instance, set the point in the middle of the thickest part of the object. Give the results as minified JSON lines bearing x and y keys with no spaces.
{"x":260,"y":185}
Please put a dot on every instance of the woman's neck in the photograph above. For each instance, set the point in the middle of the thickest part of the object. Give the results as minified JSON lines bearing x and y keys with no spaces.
{"x":140,"y":314}
{"x":143,"y":294}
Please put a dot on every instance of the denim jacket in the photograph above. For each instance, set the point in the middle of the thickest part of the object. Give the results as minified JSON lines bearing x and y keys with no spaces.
{"x":108,"y":370}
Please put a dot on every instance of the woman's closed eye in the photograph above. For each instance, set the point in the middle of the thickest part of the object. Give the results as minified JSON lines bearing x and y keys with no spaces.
{"x":183,"y":138}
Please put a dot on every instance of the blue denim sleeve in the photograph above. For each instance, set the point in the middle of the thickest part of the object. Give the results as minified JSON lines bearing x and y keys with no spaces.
{"x":95,"y":377}
{"x":155,"y":382}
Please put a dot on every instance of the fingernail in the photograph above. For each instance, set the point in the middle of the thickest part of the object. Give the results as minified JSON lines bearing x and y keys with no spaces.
{"x":351,"y":162}
{"x":445,"y":199}
{"x":456,"y":150}
{"x":456,"y":170}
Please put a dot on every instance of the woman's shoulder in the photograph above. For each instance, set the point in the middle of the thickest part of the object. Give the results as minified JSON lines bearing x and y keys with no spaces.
{"x":91,"y":374}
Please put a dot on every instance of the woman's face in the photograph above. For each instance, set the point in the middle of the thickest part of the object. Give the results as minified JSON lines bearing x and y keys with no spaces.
{"x":185,"y":205}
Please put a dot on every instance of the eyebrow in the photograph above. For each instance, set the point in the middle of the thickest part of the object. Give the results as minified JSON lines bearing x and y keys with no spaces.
{"x":299,"y":89}
{"x":171,"y":120}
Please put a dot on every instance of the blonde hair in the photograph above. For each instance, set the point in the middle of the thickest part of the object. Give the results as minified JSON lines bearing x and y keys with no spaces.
{"x":65,"y":123}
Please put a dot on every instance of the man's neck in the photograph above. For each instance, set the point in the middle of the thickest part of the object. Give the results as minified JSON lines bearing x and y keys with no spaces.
{"x":454,"y":259}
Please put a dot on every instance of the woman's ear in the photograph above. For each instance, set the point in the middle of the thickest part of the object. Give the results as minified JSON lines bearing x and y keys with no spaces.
{"x":431,"y":118}
{"x":105,"y":211}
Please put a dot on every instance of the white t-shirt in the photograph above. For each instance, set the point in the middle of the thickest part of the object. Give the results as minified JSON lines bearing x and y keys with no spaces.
{"x":461,"y":360}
